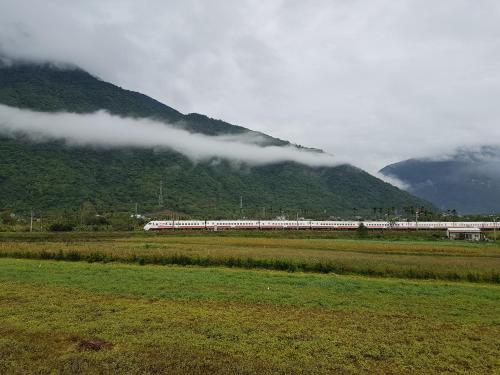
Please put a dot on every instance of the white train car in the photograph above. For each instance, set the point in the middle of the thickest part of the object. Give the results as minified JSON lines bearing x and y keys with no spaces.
{"x":232,"y":224}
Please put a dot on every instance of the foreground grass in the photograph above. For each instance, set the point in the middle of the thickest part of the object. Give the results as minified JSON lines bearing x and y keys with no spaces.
{"x":402,"y":259}
{"x":198,"y":320}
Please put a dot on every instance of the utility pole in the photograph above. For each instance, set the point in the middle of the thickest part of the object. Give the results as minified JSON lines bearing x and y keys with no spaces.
{"x":416,"y":219}
{"x":160,"y":195}
{"x":31,"y":221}
{"x":241,"y":206}
{"x":495,"y":228}
{"x":136,"y":209}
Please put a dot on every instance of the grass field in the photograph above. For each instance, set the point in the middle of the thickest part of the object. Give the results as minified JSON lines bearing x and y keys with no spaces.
{"x":443,"y":260}
{"x":114,"y":315}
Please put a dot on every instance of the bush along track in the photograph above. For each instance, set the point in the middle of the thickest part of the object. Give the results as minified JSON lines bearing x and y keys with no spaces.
{"x":289,"y":265}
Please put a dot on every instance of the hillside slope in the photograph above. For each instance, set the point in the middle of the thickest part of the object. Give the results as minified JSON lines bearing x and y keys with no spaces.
{"x":54,"y":176}
{"x":47,"y":88}
{"x":468,"y":181}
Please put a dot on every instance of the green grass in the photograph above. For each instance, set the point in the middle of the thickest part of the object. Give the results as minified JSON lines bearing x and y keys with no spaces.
{"x":270,"y":287}
{"x":189,"y":319}
{"x":223,"y":318}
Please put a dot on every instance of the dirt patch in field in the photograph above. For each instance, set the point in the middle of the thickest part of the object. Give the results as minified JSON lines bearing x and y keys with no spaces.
{"x":12,"y":299}
{"x":93,"y":345}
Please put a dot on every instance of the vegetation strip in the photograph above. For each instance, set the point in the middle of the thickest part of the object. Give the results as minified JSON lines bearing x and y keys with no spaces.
{"x":289,"y":265}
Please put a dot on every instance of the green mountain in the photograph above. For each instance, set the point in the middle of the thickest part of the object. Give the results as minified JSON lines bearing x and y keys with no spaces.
{"x":468,"y":181}
{"x":53,"y":176}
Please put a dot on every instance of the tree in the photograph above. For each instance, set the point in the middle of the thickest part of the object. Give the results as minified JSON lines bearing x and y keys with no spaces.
{"x":88,"y":213}
{"x":362,"y":230}
{"x":7,"y":218}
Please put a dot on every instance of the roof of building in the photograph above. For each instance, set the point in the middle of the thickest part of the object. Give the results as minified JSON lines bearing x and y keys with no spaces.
{"x":466,"y":230}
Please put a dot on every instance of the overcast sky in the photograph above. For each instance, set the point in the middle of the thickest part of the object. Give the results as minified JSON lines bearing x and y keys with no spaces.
{"x":372,"y":81}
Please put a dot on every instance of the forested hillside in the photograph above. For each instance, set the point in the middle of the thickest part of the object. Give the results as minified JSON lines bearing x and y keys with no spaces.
{"x":51,"y":176}
{"x":468,"y":181}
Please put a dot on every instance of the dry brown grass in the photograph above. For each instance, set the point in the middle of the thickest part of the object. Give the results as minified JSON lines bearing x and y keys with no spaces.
{"x":445,"y":260}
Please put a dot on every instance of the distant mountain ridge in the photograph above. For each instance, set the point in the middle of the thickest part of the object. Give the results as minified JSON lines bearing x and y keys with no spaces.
{"x":468,"y":181}
{"x":54,"y":176}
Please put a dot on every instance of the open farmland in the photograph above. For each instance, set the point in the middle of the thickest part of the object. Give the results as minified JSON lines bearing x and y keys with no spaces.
{"x":408,"y":259}
{"x":129,"y":304}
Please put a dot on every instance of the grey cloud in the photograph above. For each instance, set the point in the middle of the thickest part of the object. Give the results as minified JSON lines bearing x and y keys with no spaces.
{"x":105,"y":130}
{"x":393,"y":180}
{"x":373,"y":81}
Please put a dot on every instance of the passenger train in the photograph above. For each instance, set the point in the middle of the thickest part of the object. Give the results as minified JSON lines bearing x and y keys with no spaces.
{"x":311,"y":224}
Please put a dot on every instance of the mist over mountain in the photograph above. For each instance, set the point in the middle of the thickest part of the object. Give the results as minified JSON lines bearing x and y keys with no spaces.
{"x":468,"y":180}
{"x":101,"y":129}
{"x":58,"y":150}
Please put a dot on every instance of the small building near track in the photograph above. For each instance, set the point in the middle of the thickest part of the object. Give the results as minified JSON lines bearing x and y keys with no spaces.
{"x":468,"y":234}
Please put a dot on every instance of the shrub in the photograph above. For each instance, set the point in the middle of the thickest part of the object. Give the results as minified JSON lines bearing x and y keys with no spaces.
{"x":362,"y":230}
{"x":61,"y":227}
